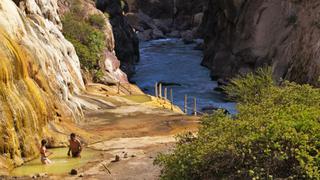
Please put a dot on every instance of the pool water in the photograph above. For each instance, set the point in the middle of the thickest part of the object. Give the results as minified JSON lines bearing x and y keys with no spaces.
{"x":61,"y":163}
{"x":138,"y":98}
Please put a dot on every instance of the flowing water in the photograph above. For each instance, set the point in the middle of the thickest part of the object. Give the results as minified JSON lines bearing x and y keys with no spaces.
{"x":61,"y":163}
{"x":172,"y":61}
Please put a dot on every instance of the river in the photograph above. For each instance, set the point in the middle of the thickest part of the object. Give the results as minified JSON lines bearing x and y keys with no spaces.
{"x":170,"y":60}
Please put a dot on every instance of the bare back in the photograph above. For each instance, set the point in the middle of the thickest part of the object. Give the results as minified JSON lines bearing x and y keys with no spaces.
{"x":75,"y":145}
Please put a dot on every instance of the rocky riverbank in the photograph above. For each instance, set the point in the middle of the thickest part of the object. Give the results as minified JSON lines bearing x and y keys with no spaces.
{"x":168,"y":18}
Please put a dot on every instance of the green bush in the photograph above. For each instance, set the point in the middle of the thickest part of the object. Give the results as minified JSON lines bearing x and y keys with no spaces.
{"x":98,"y":75}
{"x":250,"y":88}
{"x":97,"y":20}
{"x":87,"y":36}
{"x":276,"y":136}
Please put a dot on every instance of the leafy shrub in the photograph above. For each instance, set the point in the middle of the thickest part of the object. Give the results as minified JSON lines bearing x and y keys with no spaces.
{"x":98,"y":75}
{"x":97,"y":20}
{"x":276,"y":136}
{"x":86,"y":35}
{"x":251,"y":87}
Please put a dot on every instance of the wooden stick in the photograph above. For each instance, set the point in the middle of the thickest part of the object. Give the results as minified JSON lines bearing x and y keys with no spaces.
{"x":195,"y":106}
{"x":106,"y":168}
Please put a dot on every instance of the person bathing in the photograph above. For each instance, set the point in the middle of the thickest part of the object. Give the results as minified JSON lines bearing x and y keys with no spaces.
{"x":74,"y":146}
{"x":44,"y":153}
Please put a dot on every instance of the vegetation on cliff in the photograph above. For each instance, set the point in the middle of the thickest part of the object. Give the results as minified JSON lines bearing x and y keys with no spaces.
{"x":86,"y":34}
{"x":274,"y":135}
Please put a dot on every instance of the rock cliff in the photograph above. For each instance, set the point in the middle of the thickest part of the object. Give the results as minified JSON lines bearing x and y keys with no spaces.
{"x":126,"y":41}
{"x":40,"y":75}
{"x":241,"y":36}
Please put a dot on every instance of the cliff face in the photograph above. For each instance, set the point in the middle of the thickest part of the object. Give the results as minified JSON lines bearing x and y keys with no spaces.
{"x":241,"y":36}
{"x":126,"y":40}
{"x":38,"y":67}
{"x":40,"y":75}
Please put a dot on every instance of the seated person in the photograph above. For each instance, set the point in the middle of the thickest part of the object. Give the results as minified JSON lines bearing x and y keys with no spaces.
{"x":44,"y":154}
{"x":74,"y":146}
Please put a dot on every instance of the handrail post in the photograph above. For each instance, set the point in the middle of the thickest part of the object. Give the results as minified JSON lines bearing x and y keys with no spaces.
{"x":195,"y":106}
{"x":171,"y":99}
{"x":156,"y":89}
{"x":160,"y":90}
{"x":185,"y":104}
{"x":165,"y":93}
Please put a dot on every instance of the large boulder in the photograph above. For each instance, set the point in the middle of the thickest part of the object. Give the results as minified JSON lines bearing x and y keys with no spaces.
{"x":146,"y":27}
{"x":157,"y":34}
{"x":111,"y":70}
{"x":187,"y":37}
{"x":163,"y":25}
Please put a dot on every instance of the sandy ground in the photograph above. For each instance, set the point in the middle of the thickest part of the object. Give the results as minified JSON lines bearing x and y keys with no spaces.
{"x":136,"y":132}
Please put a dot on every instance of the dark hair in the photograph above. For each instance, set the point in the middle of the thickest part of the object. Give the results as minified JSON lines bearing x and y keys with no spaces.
{"x":72,"y":135}
{"x":43,"y":142}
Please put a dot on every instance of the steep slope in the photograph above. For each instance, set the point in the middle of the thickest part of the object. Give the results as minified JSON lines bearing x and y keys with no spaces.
{"x":243,"y":35}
